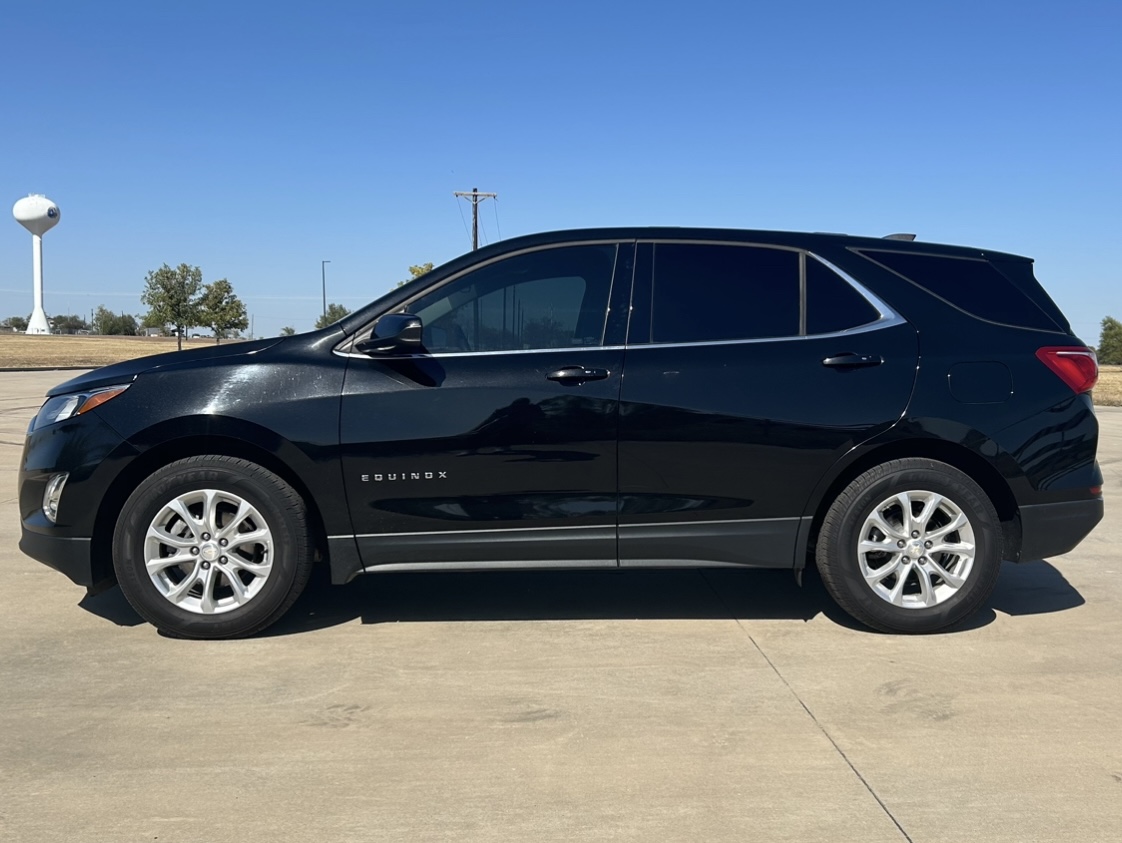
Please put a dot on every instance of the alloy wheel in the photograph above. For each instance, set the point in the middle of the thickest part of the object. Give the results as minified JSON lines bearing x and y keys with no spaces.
{"x":916,"y":549}
{"x":208,"y":551}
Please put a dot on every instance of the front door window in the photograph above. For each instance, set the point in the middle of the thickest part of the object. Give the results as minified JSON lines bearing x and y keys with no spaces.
{"x":553,"y":298}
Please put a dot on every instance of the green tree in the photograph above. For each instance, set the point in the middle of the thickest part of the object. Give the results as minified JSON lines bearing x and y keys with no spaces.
{"x":107,"y":322}
{"x":173,"y":296}
{"x":19,"y":323}
{"x":287,"y":331}
{"x":1110,"y":342}
{"x":102,"y":319}
{"x":221,"y":310}
{"x":69,"y":324}
{"x":335,"y":312}
{"x":149,"y":320}
{"x":416,"y":272}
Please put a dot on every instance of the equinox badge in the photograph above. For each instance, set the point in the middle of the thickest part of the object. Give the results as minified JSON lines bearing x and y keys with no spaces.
{"x":406,"y":475}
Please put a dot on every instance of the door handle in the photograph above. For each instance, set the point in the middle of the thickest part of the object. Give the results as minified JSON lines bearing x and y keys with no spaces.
{"x":849,"y":360}
{"x":577,"y":374}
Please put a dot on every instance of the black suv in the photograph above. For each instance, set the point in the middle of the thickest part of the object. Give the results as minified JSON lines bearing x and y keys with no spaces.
{"x":905,"y":414}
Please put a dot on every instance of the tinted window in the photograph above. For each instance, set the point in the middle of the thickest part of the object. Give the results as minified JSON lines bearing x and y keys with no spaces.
{"x":709,"y":292}
{"x":971,"y":285}
{"x":831,"y":303}
{"x":554,"y":298}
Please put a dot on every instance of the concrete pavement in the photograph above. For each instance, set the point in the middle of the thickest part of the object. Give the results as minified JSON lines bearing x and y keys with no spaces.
{"x":560,"y":706}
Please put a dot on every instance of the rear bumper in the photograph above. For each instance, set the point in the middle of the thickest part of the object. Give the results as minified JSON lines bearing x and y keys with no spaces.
{"x":70,"y":556}
{"x":1051,"y":529}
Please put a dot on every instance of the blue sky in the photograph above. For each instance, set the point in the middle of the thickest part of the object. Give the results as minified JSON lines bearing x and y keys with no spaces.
{"x":257,"y":139}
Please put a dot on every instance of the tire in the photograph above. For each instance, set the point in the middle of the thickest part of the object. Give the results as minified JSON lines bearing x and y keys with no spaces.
{"x":212,"y":547}
{"x":867,"y":555}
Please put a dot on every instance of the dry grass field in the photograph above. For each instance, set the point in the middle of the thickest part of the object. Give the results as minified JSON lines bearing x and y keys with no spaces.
{"x":1108,"y":392}
{"x":19,"y":351}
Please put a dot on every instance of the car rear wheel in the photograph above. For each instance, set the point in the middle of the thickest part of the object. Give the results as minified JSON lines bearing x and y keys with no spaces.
{"x":912,"y":545}
{"x":212,"y":547}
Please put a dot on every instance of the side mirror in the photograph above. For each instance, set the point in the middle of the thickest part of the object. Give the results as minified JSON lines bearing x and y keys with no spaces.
{"x":394,"y":333}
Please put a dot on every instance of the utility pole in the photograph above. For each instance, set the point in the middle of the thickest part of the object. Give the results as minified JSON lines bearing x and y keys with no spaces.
{"x":323,"y":278}
{"x":475,"y":197}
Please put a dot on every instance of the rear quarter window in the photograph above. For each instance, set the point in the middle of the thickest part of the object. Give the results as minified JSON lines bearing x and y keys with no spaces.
{"x":831,"y":304}
{"x":971,"y":285}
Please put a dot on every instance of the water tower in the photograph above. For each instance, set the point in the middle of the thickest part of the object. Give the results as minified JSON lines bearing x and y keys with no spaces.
{"x":37,"y":214}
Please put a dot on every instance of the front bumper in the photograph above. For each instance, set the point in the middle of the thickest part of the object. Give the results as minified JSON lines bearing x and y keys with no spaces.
{"x":70,"y":556}
{"x":1051,"y":529}
{"x":92,"y":454}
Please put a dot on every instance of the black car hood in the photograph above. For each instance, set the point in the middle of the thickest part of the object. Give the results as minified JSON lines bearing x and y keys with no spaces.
{"x":127,"y":370}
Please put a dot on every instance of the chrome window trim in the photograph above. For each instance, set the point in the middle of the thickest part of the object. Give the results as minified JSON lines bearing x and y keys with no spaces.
{"x":848,"y":332}
{"x":872,"y":298}
{"x":884,"y":322}
{"x":441,"y":354}
{"x":887,"y":316}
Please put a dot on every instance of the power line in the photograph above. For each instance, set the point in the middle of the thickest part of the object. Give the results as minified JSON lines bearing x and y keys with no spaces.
{"x":460,"y":208}
{"x":475,"y":197}
{"x":74,"y":293}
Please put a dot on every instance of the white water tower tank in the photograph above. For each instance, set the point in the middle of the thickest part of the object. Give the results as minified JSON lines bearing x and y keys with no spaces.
{"x":37,"y":214}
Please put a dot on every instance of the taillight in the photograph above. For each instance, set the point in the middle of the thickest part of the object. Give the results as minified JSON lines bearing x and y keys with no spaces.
{"x":1076,"y":365}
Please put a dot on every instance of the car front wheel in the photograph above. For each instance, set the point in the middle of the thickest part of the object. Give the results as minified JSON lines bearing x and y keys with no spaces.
{"x":212,"y":547}
{"x":912,"y":545}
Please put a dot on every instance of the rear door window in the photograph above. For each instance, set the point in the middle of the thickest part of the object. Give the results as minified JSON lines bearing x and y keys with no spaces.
{"x":706,"y":292}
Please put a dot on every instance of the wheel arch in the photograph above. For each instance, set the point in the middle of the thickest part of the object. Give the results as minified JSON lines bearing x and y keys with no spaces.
{"x":969,"y":462}
{"x":192,"y":445}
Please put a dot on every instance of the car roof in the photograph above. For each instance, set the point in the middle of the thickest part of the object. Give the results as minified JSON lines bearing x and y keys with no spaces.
{"x":794,"y":239}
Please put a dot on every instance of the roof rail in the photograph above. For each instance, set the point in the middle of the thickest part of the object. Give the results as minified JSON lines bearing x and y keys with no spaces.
{"x":908,"y":237}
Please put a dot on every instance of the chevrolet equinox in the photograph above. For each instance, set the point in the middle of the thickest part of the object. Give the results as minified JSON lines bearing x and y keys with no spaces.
{"x":904,"y":415}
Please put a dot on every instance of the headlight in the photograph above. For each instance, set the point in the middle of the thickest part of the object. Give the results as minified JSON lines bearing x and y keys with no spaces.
{"x":62,"y":407}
